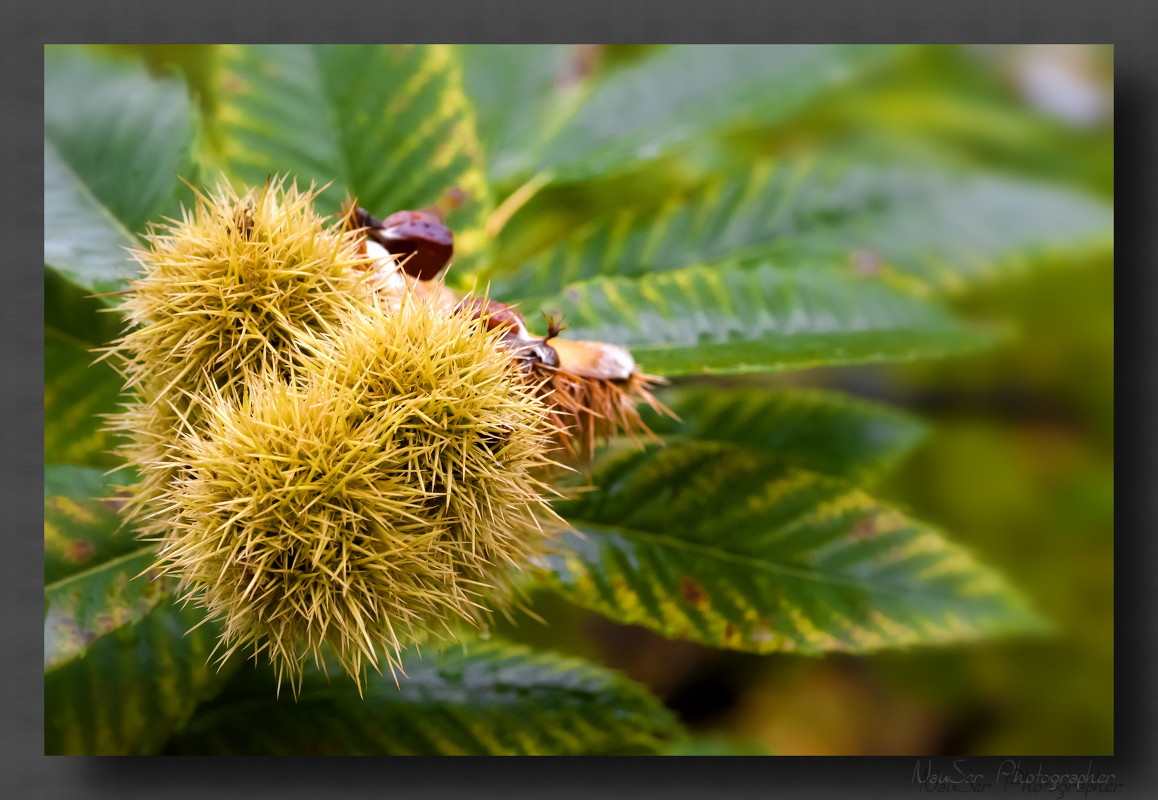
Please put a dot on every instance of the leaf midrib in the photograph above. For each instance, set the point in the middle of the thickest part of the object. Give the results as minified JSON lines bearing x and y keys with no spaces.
{"x":333,"y":118}
{"x":85,"y":190}
{"x":751,"y":562}
{"x":62,"y":583}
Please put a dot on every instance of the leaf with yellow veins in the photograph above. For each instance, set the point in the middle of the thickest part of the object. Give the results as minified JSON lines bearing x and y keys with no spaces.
{"x":727,"y":548}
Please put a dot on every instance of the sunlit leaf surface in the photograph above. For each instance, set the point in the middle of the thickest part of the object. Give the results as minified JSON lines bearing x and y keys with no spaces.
{"x":389,"y":125}
{"x":723,"y":547}
{"x":115,"y":142}
{"x":729,"y":319}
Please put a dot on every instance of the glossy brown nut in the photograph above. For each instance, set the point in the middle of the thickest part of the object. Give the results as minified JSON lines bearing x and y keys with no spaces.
{"x":493,"y":313}
{"x":401,"y":217}
{"x":419,"y":235}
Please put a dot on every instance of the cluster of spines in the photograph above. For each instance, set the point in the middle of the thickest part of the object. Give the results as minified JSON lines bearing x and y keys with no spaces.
{"x":335,"y":452}
{"x":587,"y":410}
{"x":384,"y":495}
{"x":229,"y":292}
{"x":320,"y":468}
{"x":592,"y":388}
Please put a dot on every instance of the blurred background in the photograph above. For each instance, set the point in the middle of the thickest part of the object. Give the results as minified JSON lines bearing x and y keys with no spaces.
{"x":1018,"y":464}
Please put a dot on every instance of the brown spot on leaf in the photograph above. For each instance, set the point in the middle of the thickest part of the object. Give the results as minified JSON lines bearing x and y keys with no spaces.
{"x":729,"y":631}
{"x":582,"y":63}
{"x":456,"y":195}
{"x":865,"y":529}
{"x":693,"y":592}
{"x":866,"y":262}
{"x":450,"y":200}
{"x":79,"y":550}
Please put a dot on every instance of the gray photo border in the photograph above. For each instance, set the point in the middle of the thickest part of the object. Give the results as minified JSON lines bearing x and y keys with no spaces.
{"x":1131,"y":25}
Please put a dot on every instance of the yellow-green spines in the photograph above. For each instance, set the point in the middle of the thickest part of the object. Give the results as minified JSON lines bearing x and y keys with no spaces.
{"x":320,"y":467}
{"x":230,"y":291}
{"x":380,"y":495}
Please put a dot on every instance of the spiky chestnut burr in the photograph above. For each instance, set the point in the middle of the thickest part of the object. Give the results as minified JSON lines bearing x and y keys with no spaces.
{"x":592,"y":388}
{"x":588,"y":409}
{"x":381,"y":495}
{"x":407,"y":251}
{"x":228,"y":292}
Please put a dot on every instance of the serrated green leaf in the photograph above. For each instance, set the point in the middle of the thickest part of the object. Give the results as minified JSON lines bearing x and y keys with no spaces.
{"x":826,"y":432}
{"x":122,"y":667}
{"x":521,"y":94}
{"x":950,"y":233}
{"x":389,"y":124}
{"x":724,"y":547}
{"x":115,"y":141}
{"x":132,"y":687}
{"x":81,"y":527}
{"x":84,"y":606}
{"x":76,"y":392}
{"x":489,"y":699}
{"x":679,"y":93}
{"x":127,"y":134}
{"x":94,"y":581}
{"x":82,"y":240}
{"x":934,"y":229}
{"x":193,"y":61}
{"x":728,"y":319}
{"x":71,"y":311}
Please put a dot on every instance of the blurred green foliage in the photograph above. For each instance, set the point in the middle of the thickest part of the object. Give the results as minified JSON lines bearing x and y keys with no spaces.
{"x":1018,"y":464}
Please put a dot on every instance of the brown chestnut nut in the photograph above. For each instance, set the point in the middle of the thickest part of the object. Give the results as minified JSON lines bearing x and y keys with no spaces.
{"x":421,"y":237}
{"x":493,"y":313}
